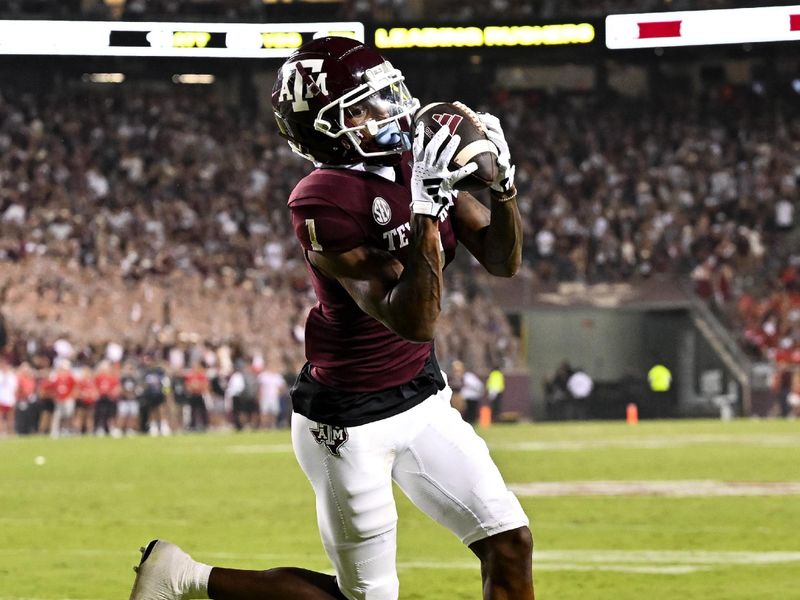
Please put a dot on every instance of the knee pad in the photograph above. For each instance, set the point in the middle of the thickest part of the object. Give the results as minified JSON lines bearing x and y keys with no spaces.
{"x":386,"y":588}
{"x":367,"y":571}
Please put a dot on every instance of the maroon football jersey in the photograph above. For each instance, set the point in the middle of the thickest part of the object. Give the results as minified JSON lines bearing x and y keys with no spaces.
{"x":335,"y":210}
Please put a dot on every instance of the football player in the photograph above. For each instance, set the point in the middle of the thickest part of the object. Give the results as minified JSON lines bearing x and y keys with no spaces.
{"x":377,"y":225}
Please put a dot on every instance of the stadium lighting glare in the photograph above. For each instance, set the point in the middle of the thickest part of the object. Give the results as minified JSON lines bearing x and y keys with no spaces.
{"x":194,"y":78}
{"x":104,"y":77}
{"x":796,"y":86}
{"x":703,"y":27}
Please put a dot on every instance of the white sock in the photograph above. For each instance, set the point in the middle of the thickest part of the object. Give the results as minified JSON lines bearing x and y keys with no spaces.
{"x":197,"y":580}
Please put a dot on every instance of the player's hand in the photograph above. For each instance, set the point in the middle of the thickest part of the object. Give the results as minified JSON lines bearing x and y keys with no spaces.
{"x":505,"y":173}
{"x":432,"y":181}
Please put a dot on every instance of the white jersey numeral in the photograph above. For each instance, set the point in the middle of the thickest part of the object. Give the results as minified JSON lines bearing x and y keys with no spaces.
{"x":312,"y":235}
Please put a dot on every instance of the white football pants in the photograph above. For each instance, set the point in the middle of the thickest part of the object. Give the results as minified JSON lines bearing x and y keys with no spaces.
{"x":438,"y":461}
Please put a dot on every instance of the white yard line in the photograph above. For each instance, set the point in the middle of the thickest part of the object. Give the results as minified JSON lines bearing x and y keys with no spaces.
{"x":259,"y":449}
{"x":661,"y":557}
{"x":666,"y":488}
{"x":651,"y":442}
{"x":89,"y":519}
{"x":47,"y":598}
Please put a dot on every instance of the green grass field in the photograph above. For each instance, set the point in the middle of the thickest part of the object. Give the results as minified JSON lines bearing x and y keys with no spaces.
{"x":71,"y":527}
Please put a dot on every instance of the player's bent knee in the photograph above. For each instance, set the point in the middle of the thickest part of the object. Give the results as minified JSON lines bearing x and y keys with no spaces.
{"x":522,"y":542}
{"x":513,"y":548}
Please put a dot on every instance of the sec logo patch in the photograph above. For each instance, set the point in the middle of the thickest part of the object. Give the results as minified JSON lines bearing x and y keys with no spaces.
{"x":381,"y":211}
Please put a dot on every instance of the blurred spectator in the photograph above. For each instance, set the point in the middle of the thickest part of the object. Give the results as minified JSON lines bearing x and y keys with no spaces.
{"x":46,"y":403}
{"x":26,"y":409}
{"x":128,"y":407}
{"x":8,"y":397}
{"x":472,"y":391}
{"x":108,"y":387}
{"x":794,"y":395}
{"x":556,"y":392}
{"x":86,"y":402}
{"x":495,"y":388}
{"x":580,"y":385}
{"x":241,"y":395}
{"x":155,"y":385}
{"x":270,"y":387}
{"x":197,"y":392}
{"x":65,"y":389}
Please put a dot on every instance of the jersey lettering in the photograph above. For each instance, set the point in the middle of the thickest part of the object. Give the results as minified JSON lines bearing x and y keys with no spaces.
{"x":401,"y":232}
{"x":300,"y":91}
{"x":312,"y":235}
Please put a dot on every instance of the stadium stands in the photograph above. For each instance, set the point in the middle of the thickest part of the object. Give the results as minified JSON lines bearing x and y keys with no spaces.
{"x":126,"y":212}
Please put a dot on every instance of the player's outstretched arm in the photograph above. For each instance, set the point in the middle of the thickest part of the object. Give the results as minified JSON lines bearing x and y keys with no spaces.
{"x":493,"y":237}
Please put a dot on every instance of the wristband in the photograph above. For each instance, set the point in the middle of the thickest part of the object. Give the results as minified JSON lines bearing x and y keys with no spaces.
{"x":506,"y":196}
{"x":428,"y":209}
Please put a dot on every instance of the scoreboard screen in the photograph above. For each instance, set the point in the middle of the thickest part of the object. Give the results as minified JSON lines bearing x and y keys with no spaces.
{"x":703,"y":27}
{"x":123,"y":38}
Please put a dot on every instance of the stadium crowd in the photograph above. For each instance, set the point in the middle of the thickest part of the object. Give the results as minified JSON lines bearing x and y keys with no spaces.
{"x":146,"y":219}
{"x":620,"y":191}
{"x":181,"y":383}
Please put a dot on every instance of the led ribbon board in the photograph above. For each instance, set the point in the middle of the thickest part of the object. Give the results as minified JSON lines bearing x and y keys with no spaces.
{"x":123,"y":38}
{"x":492,"y":36}
{"x":703,"y":27}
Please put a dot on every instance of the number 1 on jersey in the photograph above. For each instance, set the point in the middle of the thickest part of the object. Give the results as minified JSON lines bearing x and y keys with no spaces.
{"x":312,"y":235}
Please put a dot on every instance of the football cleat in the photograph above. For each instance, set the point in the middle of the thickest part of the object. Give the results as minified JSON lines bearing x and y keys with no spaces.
{"x":163,"y":573}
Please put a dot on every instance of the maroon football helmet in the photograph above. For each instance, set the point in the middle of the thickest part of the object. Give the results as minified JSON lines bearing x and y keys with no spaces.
{"x":340,"y":102}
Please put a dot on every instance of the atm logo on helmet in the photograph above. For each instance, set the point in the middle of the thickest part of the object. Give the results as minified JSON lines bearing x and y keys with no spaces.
{"x":447,"y":120}
{"x":303,"y":88}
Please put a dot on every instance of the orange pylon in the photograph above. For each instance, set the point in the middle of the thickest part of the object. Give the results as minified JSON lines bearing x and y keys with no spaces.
{"x":632,"y":414}
{"x":485,"y":416}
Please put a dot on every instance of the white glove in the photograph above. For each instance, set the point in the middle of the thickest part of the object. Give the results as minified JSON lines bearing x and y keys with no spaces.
{"x":432,"y":181}
{"x":505,"y":173}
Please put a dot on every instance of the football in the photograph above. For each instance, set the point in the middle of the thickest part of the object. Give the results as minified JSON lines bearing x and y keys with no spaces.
{"x":474,"y":147}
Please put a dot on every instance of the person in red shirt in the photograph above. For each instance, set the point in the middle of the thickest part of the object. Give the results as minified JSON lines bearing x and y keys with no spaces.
{"x":46,"y":391}
{"x":8,"y":397}
{"x":26,"y":397}
{"x":109,"y":389}
{"x":197,"y":387}
{"x":87,"y":396}
{"x":66,"y":388}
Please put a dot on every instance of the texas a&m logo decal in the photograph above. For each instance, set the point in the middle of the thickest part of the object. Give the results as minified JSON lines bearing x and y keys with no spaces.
{"x":447,"y":120}
{"x":308,"y":81}
{"x":332,"y":437}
